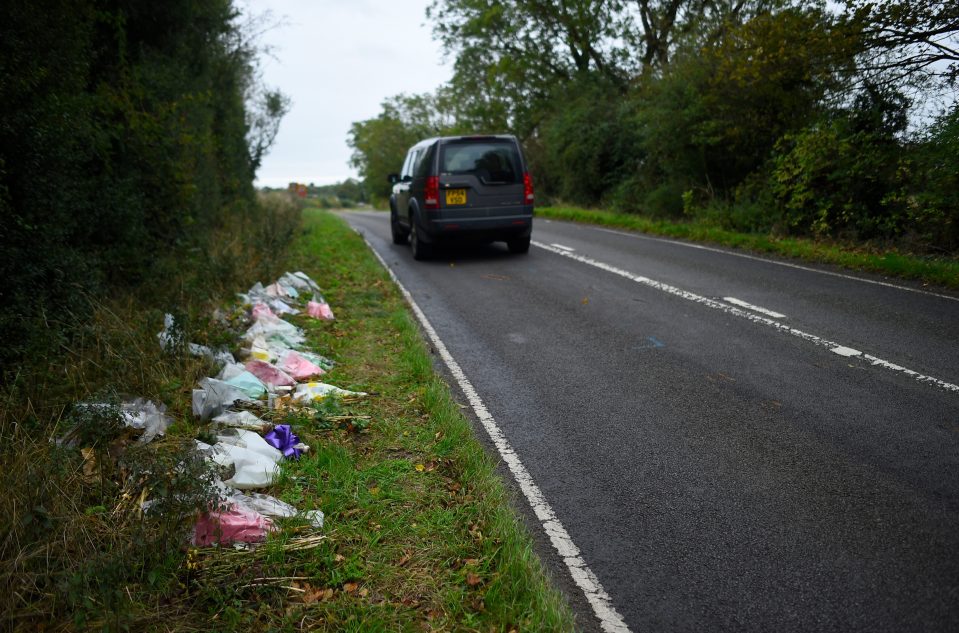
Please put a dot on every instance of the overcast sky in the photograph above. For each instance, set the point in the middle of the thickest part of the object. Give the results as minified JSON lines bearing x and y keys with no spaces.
{"x":338,"y":60}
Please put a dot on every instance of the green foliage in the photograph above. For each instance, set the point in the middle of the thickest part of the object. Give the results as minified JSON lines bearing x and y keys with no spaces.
{"x":341,"y":195}
{"x":932,"y":197}
{"x":765,"y":115}
{"x":74,"y":546}
{"x":380,"y":144}
{"x":592,"y":144}
{"x":124,"y":135}
{"x":842,"y":177}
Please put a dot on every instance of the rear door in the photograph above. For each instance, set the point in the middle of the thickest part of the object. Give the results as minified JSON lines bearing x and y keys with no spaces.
{"x":480,"y":177}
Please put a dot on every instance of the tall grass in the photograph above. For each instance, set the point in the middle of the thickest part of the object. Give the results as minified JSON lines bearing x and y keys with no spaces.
{"x":74,"y":548}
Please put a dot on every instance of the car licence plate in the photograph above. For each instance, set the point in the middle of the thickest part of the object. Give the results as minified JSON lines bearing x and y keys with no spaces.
{"x":455,"y":196}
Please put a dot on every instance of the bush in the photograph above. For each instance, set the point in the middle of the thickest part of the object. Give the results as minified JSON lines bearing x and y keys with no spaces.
{"x":123,"y":137}
{"x":842,"y":177}
{"x":74,"y":546}
{"x":932,"y":199}
{"x":592,"y":144}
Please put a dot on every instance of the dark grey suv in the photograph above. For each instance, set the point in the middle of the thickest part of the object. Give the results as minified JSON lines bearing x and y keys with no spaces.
{"x":462,"y":187}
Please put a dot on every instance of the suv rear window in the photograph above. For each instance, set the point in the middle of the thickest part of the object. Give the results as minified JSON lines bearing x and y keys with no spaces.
{"x":493,"y":162}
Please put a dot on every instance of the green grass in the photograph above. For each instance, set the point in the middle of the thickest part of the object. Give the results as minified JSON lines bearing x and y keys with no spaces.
{"x":419,"y":534}
{"x":420,"y":531}
{"x":939,"y":271}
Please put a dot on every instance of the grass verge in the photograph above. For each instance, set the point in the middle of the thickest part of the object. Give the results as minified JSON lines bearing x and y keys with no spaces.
{"x":939,"y":271}
{"x":420,"y":535}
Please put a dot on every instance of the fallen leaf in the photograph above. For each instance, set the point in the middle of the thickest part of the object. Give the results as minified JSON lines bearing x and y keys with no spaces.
{"x":473,"y":579}
{"x":339,"y":558}
{"x":364,"y":592}
{"x":311,"y":594}
{"x":585,"y":300}
{"x":404,"y":560}
{"x":420,"y":468}
{"x":350,"y":587}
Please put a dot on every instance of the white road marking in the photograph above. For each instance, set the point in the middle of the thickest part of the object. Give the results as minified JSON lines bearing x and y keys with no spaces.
{"x":778,"y":263}
{"x":565,"y":248}
{"x":755,"y":318}
{"x":749,"y":306}
{"x":609,"y":619}
{"x":845,"y":351}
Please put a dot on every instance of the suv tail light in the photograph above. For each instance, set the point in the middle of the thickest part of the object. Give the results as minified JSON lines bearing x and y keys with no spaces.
{"x":431,"y":193}
{"x":527,"y":188}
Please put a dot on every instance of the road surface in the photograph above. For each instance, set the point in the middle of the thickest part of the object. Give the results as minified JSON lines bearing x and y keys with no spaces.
{"x":732,"y":443}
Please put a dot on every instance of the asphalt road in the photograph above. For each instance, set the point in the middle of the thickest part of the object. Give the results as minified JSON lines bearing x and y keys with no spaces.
{"x":718,"y":472}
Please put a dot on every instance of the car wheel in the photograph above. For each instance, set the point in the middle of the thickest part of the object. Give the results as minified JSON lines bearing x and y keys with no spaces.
{"x":400,"y":234}
{"x":420,"y":250}
{"x":518,"y":245}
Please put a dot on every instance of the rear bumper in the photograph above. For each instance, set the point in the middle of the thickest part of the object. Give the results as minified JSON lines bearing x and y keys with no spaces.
{"x":490,"y":224}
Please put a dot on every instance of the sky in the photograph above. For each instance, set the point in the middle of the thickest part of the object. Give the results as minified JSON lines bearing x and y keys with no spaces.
{"x":338,"y":60}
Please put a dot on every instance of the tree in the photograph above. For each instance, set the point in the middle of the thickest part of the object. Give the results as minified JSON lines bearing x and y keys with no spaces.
{"x":380,"y":144}
{"x":915,"y":41}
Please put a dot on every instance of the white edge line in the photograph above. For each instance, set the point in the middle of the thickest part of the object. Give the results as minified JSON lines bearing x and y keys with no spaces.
{"x":773,"y":261}
{"x":565,"y":248}
{"x":755,"y":318}
{"x":609,"y":619}
{"x":749,"y":306}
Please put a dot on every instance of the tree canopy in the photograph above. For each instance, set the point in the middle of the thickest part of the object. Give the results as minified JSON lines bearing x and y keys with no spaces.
{"x":705,"y":107}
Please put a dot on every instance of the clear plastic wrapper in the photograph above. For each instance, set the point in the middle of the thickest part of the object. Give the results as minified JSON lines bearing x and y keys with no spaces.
{"x":310,"y":391}
{"x":213,"y":397}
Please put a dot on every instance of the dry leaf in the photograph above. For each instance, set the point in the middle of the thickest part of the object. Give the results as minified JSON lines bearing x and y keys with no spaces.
{"x":420,"y":468}
{"x":350,"y":587}
{"x":473,"y":579}
{"x":339,"y":558}
{"x":364,"y":592}
{"x":91,"y":470}
{"x":311,"y":594}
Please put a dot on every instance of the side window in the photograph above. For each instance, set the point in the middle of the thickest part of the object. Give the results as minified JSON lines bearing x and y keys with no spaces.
{"x":408,"y":165}
{"x":422,"y":167}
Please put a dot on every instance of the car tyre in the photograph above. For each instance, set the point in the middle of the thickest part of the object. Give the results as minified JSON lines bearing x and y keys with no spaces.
{"x":420,"y":249}
{"x":400,"y":235}
{"x":518,"y":245}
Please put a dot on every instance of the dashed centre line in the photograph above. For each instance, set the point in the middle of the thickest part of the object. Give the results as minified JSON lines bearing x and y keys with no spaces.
{"x":774,"y":262}
{"x":749,"y":306}
{"x":755,"y":318}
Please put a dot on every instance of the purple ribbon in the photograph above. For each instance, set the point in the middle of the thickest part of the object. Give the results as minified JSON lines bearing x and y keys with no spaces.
{"x":283,"y":439}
